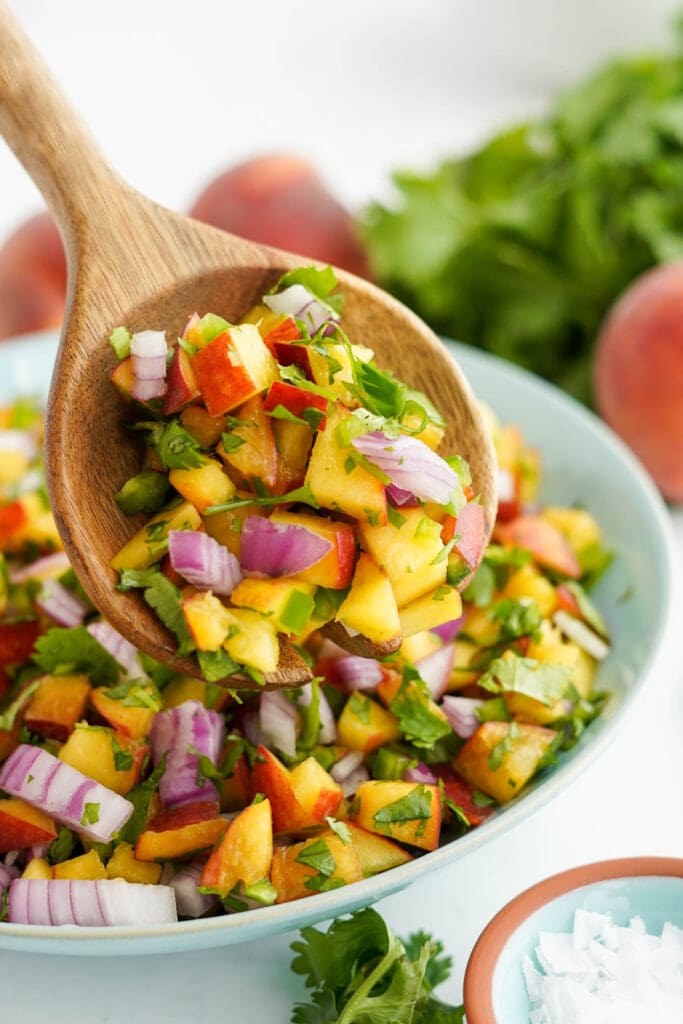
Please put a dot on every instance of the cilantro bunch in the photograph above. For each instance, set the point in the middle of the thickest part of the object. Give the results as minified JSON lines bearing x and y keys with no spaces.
{"x":361,"y":973}
{"x":520,"y":247}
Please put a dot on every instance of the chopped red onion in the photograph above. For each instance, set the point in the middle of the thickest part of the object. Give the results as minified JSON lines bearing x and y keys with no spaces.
{"x":144,"y":390}
{"x":354,"y":780}
{"x":203,"y":562}
{"x":12,"y":857}
{"x":449,"y":630}
{"x":461,"y":715}
{"x":96,"y":903}
{"x":121,"y":650}
{"x":19,"y":441}
{"x":251,"y":724}
{"x":149,"y":367}
{"x":355,"y":673}
{"x":400,"y":498}
{"x":148,"y":345}
{"x":582,"y":635}
{"x":7,"y":873}
{"x":420,"y":772}
{"x":189,"y":900}
{"x":64,"y":793}
{"x":298,"y":302}
{"x":48,"y":565}
{"x":279,"y":721}
{"x":176,"y":732}
{"x":61,"y":604}
{"x":346,"y":765}
{"x":410,"y":464}
{"x":279,"y":549}
{"x":435,"y":668}
{"x":328,"y":724}
{"x":470,"y":531}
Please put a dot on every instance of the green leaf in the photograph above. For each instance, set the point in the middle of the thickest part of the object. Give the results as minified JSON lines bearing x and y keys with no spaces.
{"x":123,"y":759}
{"x":63,"y":846}
{"x":141,"y":796}
{"x":64,"y":651}
{"x":178,"y":449}
{"x":414,"y":806}
{"x":216,"y":665}
{"x":320,"y":282}
{"x":161,"y":595}
{"x":318,"y":856}
{"x":539,"y":680}
{"x":412,"y":706}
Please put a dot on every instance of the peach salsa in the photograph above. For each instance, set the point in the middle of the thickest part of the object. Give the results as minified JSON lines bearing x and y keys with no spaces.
{"x":133,"y":794}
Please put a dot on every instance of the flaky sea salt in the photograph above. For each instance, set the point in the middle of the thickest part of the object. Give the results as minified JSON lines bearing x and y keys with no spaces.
{"x":602,"y":973}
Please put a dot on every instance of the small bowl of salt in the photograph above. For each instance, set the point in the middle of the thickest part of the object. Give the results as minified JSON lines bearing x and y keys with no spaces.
{"x":598,"y":944}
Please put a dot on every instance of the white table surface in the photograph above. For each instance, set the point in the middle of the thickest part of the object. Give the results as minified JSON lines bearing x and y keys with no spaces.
{"x":176,"y":92}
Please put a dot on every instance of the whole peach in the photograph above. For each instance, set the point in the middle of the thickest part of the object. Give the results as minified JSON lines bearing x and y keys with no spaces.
{"x":32,"y":278}
{"x":638,"y":373}
{"x":281,"y":200}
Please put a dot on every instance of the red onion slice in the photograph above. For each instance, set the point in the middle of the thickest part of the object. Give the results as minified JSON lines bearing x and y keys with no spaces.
{"x":121,"y":650}
{"x":48,"y":565}
{"x":90,"y":903}
{"x":410,"y":464}
{"x":420,"y":772}
{"x":279,"y":549}
{"x":203,"y":562}
{"x":346,"y":765}
{"x":582,"y":635}
{"x":190,"y":902}
{"x":279,"y":722}
{"x":64,"y":793}
{"x":298,"y":302}
{"x":400,"y":498}
{"x":448,"y":631}
{"x":354,"y":780}
{"x":144,"y":390}
{"x":355,"y":673}
{"x":461,"y":715}
{"x":436,"y":668}
{"x":7,"y":873}
{"x":176,"y":732}
{"x":61,"y":604}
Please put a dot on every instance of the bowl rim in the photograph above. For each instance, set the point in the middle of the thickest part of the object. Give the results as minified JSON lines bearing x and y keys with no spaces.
{"x":483,"y":960}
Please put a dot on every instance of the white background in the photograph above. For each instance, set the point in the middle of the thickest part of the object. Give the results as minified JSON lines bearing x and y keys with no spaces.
{"x":175,"y":92}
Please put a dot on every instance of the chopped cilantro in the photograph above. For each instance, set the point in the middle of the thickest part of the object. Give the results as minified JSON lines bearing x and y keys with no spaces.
{"x":303,"y":494}
{"x":414,"y":806}
{"x":539,"y":680}
{"x":123,"y":759}
{"x":340,"y":829}
{"x":318,"y":856}
{"x":517,"y":617}
{"x":177,"y":448}
{"x":360,"y":707}
{"x":91,"y":814}
{"x":231,"y":442}
{"x":141,"y":796}
{"x":64,"y":651}
{"x":62,"y":847}
{"x":216,"y":665}
{"x":418,"y":718}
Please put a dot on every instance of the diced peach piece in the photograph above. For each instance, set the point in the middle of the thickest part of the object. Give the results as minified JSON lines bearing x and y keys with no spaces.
{"x":501,"y":757}
{"x":22,"y":825}
{"x":287,"y":602}
{"x":235,"y":789}
{"x":293,"y":880}
{"x":256,"y":457}
{"x":293,"y":442}
{"x":226,"y":527}
{"x":270,"y":777}
{"x":431,"y":609}
{"x":130,"y":721}
{"x":183,"y":688}
{"x":56,"y":706}
{"x":340,"y":486}
{"x":365,"y":725}
{"x":123,"y":378}
{"x":245,"y":852}
{"x":111,"y":758}
{"x":87,"y":866}
{"x":151,"y":541}
{"x":544,"y":540}
{"x":179,"y":833}
{"x":124,"y":864}
{"x":409,"y":553}
{"x":181,"y":382}
{"x":255,"y":643}
{"x":208,"y":620}
{"x":528,"y":582}
{"x":233,"y":367}
{"x":204,"y":428}
{"x":297,"y":401}
{"x":203,"y":485}
{"x":370,"y":606}
{"x":315,"y":789}
{"x":335,"y":569}
{"x":376,"y":853}
{"x":406,"y":811}
{"x":37,"y":867}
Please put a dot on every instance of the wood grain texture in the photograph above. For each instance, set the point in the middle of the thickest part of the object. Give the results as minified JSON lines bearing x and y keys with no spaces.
{"x":133,"y":262}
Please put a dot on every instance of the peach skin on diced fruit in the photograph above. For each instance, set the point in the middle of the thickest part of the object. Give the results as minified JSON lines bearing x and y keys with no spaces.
{"x":293,"y":443}
{"x":181,"y":382}
{"x":245,"y":852}
{"x":370,"y":606}
{"x":56,"y":706}
{"x":235,"y":789}
{"x":405,"y":811}
{"x":22,"y":825}
{"x":546,"y":543}
{"x":124,"y":864}
{"x":203,"y":485}
{"x":408,"y":553}
{"x":208,"y":620}
{"x":297,"y":401}
{"x":315,"y":789}
{"x":178,"y":833}
{"x":365,"y":725}
{"x":131,"y":721}
{"x":109,"y":757}
{"x":232,"y":368}
{"x":270,"y":777}
{"x":151,"y":541}
{"x":315,"y":865}
{"x":255,"y":457}
{"x":376,"y":853}
{"x":340,"y":486}
{"x":501,"y":757}
{"x":86,"y":866}
{"x":334,"y":569}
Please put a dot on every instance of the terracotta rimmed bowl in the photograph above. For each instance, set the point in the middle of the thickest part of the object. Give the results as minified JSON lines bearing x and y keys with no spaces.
{"x":649,"y":887}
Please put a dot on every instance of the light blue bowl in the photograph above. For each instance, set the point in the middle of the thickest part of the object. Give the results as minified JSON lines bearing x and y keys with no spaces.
{"x":647,"y":887}
{"x":583,"y":463}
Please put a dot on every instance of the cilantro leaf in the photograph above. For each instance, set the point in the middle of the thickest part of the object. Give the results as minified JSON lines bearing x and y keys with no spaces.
{"x":177,"y":448}
{"x":418,"y":719}
{"x":65,"y":651}
{"x":318,"y":856}
{"x":164,"y":597}
{"x":141,"y":796}
{"x":541,"y":681}
{"x":414,"y":806}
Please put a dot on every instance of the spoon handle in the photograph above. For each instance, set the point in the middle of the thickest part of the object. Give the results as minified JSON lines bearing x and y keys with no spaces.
{"x":46,"y":135}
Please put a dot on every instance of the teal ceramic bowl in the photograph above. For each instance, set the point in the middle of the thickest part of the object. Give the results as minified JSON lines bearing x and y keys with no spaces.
{"x":647,"y":887}
{"x":583,"y":463}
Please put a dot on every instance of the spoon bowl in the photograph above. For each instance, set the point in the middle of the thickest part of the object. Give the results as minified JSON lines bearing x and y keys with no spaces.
{"x":133,"y":262}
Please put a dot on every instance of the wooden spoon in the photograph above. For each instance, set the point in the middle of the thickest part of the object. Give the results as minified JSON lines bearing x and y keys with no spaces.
{"x":133,"y":262}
